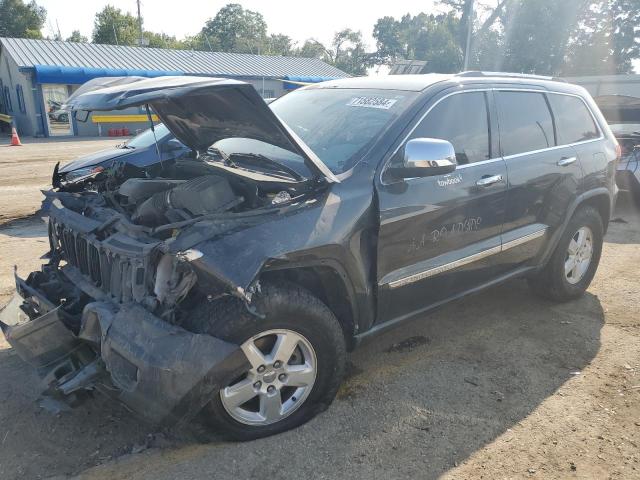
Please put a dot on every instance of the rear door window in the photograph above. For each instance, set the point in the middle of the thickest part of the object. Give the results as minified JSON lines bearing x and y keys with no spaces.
{"x":574,"y":123}
{"x":463,"y":120}
{"x":525,"y":122}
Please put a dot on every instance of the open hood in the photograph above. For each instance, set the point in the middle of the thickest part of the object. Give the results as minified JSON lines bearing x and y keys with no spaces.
{"x":199,"y":111}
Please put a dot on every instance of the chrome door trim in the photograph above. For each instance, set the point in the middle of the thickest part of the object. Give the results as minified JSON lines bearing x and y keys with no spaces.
{"x":444,"y":268}
{"x":524,"y":239}
{"x":431,"y":272}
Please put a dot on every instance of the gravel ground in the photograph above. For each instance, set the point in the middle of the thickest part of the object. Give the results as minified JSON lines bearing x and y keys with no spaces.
{"x":498,"y":385}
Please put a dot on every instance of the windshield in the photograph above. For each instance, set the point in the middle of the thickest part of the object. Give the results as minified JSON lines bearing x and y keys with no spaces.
{"x":340,"y":124}
{"x":145,"y":139}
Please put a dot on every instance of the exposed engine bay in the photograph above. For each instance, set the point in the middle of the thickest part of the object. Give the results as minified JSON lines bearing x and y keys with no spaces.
{"x":136,"y":251}
{"x":114,"y":239}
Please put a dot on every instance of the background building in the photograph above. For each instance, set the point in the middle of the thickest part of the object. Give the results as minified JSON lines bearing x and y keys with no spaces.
{"x":36,"y":77}
{"x":599,"y":85}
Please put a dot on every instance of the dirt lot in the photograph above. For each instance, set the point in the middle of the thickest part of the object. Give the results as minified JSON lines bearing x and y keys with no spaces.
{"x":500,"y":385}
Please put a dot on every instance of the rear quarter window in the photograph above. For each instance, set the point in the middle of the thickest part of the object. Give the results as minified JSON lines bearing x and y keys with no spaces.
{"x":525,"y":122}
{"x":574,"y":122}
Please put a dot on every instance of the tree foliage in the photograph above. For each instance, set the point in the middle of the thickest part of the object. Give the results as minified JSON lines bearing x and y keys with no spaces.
{"x":312,"y":48}
{"x":21,"y":20}
{"x":554,"y":38}
{"x":348,"y":52}
{"x":77,"y":37}
{"x":278,"y":44}
{"x":421,"y":37}
{"x":162,"y":40}
{"x":607,"y":38}
{"x":112,"y":26}
{"x":235,"y":29}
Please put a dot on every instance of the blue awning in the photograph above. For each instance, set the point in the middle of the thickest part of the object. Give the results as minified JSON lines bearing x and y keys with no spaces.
{"x":290,"y":79}
{"x":79,"y":75}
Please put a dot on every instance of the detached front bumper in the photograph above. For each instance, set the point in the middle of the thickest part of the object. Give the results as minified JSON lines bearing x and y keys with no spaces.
{"x":159,"y":370}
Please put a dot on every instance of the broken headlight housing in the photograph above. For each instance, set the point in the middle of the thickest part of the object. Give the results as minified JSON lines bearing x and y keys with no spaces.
{"x":82,"y":174}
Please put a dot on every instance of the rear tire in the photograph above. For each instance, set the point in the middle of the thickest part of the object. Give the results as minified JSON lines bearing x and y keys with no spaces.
{"x":302,"y":385}
{"x":575,"y":260}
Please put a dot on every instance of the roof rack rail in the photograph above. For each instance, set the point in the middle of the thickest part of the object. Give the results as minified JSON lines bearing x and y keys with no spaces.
{"x":479,"y":73}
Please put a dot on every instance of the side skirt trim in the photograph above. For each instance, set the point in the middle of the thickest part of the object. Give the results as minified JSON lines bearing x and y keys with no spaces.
{"x":466,"y":260}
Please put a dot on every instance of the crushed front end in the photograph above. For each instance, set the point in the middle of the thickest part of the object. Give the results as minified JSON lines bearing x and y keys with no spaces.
{"x":136,"y":253}
{"x":103,"y":314}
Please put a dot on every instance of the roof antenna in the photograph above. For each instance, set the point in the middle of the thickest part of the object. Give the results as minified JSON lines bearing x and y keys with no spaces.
{"x":153,"y":130}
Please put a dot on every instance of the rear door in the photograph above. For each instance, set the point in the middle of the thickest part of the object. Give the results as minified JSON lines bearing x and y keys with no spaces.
{"x":438,"y":234}
{"x":544,"y":175}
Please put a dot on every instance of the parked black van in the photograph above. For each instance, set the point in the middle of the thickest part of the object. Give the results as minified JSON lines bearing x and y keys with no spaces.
{"x":231,"y":283}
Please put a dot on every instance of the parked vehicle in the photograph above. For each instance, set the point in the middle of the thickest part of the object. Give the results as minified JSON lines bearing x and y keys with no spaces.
{"x":232,"y":284}
{"x":623,"y":115}
{"x":143,"y":150}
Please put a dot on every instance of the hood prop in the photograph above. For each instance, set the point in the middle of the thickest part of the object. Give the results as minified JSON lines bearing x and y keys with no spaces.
{"x":153,"y":130}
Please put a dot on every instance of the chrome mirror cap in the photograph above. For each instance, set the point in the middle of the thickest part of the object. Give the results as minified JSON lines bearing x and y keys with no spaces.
{"x":426,"y":157}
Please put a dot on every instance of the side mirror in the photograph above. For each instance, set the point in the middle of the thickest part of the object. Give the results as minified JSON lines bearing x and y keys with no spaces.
{"x":172,"y":145}
{"x":426,"y":157}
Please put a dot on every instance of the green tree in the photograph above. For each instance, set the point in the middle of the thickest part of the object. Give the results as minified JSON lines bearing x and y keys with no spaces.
{"x":235,"y":29}
{"x":536,"y":35}
{"x":113,"y":27}
{"x":162,"y":40}
{"x":389,"y":41}
{"x":349,"y":53}
{"x":21,"y":20}
{"x":607,"y":39}
{"x":421,"y":37}
{"x":279,"y":44}
{"x":313,"y":49}
{"x":77,"y":37}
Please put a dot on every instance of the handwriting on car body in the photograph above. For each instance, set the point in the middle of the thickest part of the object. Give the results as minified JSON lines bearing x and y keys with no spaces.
{"x":446,"y":231}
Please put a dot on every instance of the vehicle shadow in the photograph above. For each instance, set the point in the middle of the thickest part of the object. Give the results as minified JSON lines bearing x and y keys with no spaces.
{"x":625,"y":223}
{"x":417,"y":401}
{"x":31,"y":226}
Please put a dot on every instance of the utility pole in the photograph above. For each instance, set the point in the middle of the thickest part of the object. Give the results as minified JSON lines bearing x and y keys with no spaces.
{"x":469,"y":32}
{"x":141,"y":39}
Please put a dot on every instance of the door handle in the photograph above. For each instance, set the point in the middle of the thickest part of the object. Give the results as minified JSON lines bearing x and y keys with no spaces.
{"x":563,"y":162}
{"x":486,"y":181}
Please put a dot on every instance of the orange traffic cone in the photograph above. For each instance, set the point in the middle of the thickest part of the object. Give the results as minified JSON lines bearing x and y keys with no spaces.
{"x":15,"y":139}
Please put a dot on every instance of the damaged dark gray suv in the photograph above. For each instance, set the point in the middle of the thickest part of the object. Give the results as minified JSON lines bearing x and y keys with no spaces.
{"x":230,"y":284}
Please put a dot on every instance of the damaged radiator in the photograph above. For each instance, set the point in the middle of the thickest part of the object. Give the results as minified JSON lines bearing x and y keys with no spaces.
{"x":120,"y":266}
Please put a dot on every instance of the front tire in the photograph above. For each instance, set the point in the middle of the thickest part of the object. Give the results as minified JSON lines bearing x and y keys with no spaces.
{"x":575,"y":260}
{"x":297,"y":354}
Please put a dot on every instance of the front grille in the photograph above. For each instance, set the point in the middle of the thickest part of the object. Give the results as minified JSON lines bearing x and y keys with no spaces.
{"x":119,"y":265}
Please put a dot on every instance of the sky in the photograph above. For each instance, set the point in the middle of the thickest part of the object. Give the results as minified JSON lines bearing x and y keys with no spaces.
{"x":298,"y":19}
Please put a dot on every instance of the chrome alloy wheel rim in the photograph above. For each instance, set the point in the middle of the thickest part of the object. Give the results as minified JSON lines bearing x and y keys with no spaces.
{"x":579,"y":254}
{"x":282,"y":374}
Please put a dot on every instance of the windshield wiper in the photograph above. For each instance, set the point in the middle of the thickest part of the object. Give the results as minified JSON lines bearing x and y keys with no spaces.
{"x":259,"y":160}
{"x":125,"y":146}
{"x":226,"y":158}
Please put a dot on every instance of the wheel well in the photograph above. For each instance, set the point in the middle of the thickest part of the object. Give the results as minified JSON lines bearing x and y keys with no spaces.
{"x":602,"y":204}
{"x":326,"y":284}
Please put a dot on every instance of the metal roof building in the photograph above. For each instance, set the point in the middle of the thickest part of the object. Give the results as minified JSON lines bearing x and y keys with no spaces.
{"x":36,"y":76}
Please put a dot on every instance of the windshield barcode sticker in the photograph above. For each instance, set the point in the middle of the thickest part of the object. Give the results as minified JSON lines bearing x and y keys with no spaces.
{"x":372,"y":102}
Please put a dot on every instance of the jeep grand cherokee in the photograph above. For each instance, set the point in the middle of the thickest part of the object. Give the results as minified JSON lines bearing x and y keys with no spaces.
{"x":231,"y":284}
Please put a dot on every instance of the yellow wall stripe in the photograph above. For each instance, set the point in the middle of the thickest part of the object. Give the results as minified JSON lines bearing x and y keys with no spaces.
{"x":123,"y":118}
